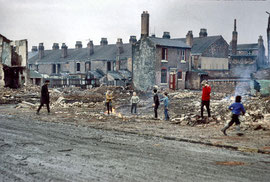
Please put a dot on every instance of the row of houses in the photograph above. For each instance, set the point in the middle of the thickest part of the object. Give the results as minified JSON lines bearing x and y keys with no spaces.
{"x":175,"y":63}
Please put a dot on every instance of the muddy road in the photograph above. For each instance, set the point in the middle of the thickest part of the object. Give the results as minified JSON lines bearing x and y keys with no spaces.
{"x":46,"y":151}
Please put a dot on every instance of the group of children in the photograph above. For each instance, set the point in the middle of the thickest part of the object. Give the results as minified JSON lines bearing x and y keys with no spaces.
{"x":237,"y":108}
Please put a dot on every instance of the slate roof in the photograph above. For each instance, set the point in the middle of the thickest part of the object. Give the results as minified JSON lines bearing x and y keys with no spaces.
{"x":97,"y":74}
{"x":35,"y":74}
{"x":200,"y":44}
{"x":169,"y":42}
{"x":125,"y":73}
{"x":107,"y":52}
{"x":246,"y":47}
{"x":116,"y":75}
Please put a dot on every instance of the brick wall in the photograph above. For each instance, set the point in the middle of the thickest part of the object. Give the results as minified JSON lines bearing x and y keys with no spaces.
{"x":230,"y":86}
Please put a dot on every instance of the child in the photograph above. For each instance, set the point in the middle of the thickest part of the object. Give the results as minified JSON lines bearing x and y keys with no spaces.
{"x":236,"y":109}
{"x":134,"y":101}
{"x":156,"y":103}
{"x":166,"y":105}
{"x":108,"y":101}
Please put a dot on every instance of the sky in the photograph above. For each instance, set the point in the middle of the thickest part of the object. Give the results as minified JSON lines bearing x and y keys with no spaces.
{"x":68,"y":21}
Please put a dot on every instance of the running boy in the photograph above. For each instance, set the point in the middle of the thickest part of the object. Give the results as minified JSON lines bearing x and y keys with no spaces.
{"x":236,"y":109}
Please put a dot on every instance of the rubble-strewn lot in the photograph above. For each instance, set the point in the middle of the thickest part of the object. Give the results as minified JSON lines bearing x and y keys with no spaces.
{"x":87,"y":107}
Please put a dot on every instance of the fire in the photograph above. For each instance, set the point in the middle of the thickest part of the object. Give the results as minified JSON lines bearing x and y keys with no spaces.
{"x":115,"y":113}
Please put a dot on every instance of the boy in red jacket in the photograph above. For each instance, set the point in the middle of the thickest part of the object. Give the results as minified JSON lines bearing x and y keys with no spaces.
{"x":206,"y":90}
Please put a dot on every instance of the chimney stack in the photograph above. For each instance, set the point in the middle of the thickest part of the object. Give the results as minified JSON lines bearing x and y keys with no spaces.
{"x":119,"y":45}
{"x":64,"y":50}
{"x":189,"y":38}
{"x":132,"y":39}
{"x":144,"y":24}
{"x":90,"y":47}
{"x":260,"y":41}
{"x":234,"y":39}
{"x":55,"y":46}
{"x":40,"y":51}
{"x":78,"y":45}
{"x":103,"y":41}
{"x":34,"y":49}
{"x":166,"y":35}
{"x":203,"y":32}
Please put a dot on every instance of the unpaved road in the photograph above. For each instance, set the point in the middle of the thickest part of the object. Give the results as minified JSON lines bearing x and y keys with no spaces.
{"x":45,"y":151}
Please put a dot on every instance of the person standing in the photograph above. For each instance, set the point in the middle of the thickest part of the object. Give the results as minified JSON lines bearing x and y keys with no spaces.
{"x":156,"y":103}
{"x":236,"y":109}
{"x":109,"y":101}
{"x":166,"y":105}
{"x":206,"y":91}
{"x":45,"y":97}
{"x":134,"y":101}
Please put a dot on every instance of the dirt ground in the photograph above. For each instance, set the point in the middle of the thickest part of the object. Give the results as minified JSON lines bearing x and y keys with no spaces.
{"x":87,"y":107}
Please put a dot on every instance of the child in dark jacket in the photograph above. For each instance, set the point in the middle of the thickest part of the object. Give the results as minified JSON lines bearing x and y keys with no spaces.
{"x":237,"y":108}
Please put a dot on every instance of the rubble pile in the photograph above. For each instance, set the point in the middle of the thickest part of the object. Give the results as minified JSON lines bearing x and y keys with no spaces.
{"x":185,"y":105}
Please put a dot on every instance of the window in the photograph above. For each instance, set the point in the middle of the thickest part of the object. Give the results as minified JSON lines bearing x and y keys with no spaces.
{"x":164,"y":55}
{"x":249,"y":52}
{"x":58,"y":68}
{"x":163,"y":76}
{"x":108,"y":66}
{"x":183,"y":57}
{"x":87,"y":66}
{"x":78,"y":65}
{"x":54,"y":68}
{"x":179,"y":75}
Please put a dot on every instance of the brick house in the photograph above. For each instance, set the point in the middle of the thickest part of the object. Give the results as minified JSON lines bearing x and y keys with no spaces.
{"x":208,"y":58}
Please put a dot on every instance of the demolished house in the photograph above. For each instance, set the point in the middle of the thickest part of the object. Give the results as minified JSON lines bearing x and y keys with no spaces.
{"x":13,"y":63}
{"x":158,"y":61}
{"x":90,"y":66}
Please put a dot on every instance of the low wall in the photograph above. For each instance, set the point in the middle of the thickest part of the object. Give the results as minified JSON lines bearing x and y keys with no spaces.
{"x":230,"y":86}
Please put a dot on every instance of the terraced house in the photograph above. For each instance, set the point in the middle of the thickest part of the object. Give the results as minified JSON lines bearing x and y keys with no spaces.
{"x":96,"y":64}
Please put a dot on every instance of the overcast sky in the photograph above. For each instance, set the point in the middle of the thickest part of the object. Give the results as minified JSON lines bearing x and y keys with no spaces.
{"x":50,"y":21}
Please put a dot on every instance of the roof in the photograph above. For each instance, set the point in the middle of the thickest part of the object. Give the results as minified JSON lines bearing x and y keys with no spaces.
{"x":5,"y":39}
{"x":246,"y":47}
{"x":35,"y":74}
{"x":200,"y":72}
{"x":200,"y":44}
{"x":107,"y":52}
{"x":169,"y":42}
{"x":97,"y":74}
{"x":125,"y":73}
{"x":116,"y":75}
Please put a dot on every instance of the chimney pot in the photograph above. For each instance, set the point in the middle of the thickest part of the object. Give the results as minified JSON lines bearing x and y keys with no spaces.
{"x":34,"y":49}
{"x":78,"y":44}
{"x":203,"y":32}
{"x":103,"y":41}
{"x":55,"y":46}
{"x":166,"y":35}
{"x":132,"y":39}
